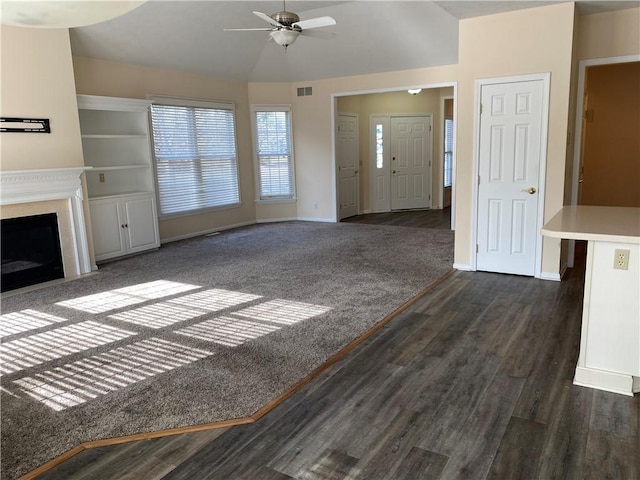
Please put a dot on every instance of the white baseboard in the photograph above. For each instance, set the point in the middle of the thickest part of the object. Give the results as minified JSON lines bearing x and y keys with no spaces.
{"x":603,"y":380}
{"x":204,"y":232}
{"x":315,"y":219}
{"x":556,"y":277}
{"x":463,"y":266}
{"x":276,"y":220}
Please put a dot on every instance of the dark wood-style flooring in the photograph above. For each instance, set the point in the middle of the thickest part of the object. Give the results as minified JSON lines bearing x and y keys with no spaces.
{"x":407,"y":218}
{"x":474,"y":381}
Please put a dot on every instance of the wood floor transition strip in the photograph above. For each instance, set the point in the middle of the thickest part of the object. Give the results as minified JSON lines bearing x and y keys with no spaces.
{"x":245,"y":420}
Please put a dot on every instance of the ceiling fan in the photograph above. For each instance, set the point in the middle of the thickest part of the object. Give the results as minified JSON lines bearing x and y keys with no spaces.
{"x":286,"y":27}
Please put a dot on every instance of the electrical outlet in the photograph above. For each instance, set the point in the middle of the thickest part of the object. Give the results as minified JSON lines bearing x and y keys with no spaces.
{"x":101,"y":177}
{"x":621,"y":259}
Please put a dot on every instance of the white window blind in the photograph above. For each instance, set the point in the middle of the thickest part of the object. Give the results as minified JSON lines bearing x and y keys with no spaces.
{"x":274,"y":152}
{"x":195,"y":155}
{"x":448,"y":152}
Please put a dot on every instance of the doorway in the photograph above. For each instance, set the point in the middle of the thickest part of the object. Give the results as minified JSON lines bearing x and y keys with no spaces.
{"x":511,"y":156}
{"x":610,"y":166}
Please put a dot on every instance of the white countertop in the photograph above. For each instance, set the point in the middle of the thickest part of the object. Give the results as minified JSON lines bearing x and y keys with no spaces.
{"x":605,"y":224}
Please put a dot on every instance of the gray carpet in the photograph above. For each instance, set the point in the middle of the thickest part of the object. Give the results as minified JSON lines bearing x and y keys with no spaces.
{"x":202,"y":330}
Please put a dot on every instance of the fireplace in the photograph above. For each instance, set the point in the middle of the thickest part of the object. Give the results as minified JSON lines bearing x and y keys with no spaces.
{"x":31,"y":252}
{"x":55,"y":194}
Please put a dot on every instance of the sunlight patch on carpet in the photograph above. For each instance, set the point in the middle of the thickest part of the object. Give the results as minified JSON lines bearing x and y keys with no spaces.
{"x":25,"y":320}
{"x":60,"y":342}
{"x":215,"y":299}
{"x":86,"y":379}
{"x":158,"y":315}
{"x":127,"y":296}
{"x":227,"y":331}
{"x":283,"y":312}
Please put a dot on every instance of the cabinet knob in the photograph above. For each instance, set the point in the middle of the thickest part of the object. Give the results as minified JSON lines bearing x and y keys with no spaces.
{"x":122,"y":226}
{"x":126,"y":225}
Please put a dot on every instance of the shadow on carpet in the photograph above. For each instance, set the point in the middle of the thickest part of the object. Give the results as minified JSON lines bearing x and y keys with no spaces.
{"x":202,"y":330}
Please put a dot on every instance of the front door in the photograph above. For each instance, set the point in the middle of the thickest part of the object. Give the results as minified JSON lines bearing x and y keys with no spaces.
{"x":510,"y":151}
{"x":410,"y":162}
{"x":347,"y":158}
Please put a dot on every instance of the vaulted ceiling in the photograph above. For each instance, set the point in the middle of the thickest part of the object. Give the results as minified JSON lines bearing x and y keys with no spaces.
{"x":370,"y":36}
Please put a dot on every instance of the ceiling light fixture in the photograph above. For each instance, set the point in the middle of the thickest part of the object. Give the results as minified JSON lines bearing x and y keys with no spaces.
{"x":62,"y":14}
{"x":284,"y":36}
{"x":414,"y":91}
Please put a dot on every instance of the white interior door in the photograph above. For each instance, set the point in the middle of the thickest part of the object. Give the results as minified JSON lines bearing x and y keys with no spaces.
{"x":510,"y":151}
{"x":347,"y":158}
{"x":410,"y":162}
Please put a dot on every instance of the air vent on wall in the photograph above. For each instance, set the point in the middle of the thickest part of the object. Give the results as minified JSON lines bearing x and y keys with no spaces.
{"x":305,"y":91}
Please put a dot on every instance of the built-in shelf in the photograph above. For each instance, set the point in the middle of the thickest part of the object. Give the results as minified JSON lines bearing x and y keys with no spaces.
{"x":120,"y":182}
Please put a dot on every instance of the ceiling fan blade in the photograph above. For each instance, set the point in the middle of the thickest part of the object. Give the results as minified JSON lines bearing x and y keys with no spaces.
{"x":268,"y":19}
{"x":315,"y":22}
{"x":318,"y":34}
{"x":265,"y":29}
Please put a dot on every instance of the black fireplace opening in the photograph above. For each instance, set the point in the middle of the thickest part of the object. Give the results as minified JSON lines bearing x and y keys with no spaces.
{"x":31,"y":252}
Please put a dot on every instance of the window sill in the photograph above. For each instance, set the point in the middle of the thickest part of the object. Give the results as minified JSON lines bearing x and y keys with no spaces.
{"x":269,"y":201}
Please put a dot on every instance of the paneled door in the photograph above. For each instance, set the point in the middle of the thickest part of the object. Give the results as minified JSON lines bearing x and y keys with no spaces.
{"x":510,"y":151}
{"x":410,"y":162}
{"x":347,"y":159}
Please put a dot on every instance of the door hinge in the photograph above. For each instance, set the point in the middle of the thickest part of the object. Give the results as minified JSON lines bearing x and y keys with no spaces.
{"x":338,"y":127}
{"x":478,"y":179}
{"x":429,"y":127}
{"x":477,"y":248}
{"x":429,"y":197}
{"x":480,"y":109}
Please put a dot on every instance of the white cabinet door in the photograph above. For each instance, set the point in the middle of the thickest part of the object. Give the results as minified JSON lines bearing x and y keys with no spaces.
{"x":141,"y":224}
{"x":108,"y":228}
{"x":124,"y":225}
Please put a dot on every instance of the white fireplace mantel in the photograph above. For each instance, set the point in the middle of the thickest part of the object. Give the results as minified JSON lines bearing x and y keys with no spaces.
{"x":26,"y":186}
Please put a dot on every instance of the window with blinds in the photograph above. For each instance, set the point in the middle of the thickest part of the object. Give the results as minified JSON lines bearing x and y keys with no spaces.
{"x":274,"y":152}
{"x":195,"y":155}
{"x":448,"y":152}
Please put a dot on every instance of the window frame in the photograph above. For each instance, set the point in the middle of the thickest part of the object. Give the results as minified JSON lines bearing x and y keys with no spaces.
{"x":256,"y":156}
{"x":194,"y":103}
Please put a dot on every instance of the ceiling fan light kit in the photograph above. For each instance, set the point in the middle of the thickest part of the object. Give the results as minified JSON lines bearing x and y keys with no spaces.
{"x":285,"y":37}
{"x":414,"y":91}
{"x":286,"y":27}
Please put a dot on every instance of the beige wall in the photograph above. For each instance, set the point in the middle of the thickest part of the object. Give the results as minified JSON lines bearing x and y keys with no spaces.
{"x":274,"y":94}
{"x":609,"y":34}
{"x":99,"y":77}
{"x":37,"y":82}
{"x":611,"y":139}
{"x":522,"y":42}
{"x":313,"y":131}
{"x":400,"y":102}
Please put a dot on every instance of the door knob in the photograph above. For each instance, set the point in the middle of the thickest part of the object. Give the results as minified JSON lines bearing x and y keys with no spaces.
{"x":393,"y":171}
{"x":530,"y":190}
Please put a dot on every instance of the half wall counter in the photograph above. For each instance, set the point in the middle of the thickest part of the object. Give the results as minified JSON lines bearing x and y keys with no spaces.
{"x":610,"y":339}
